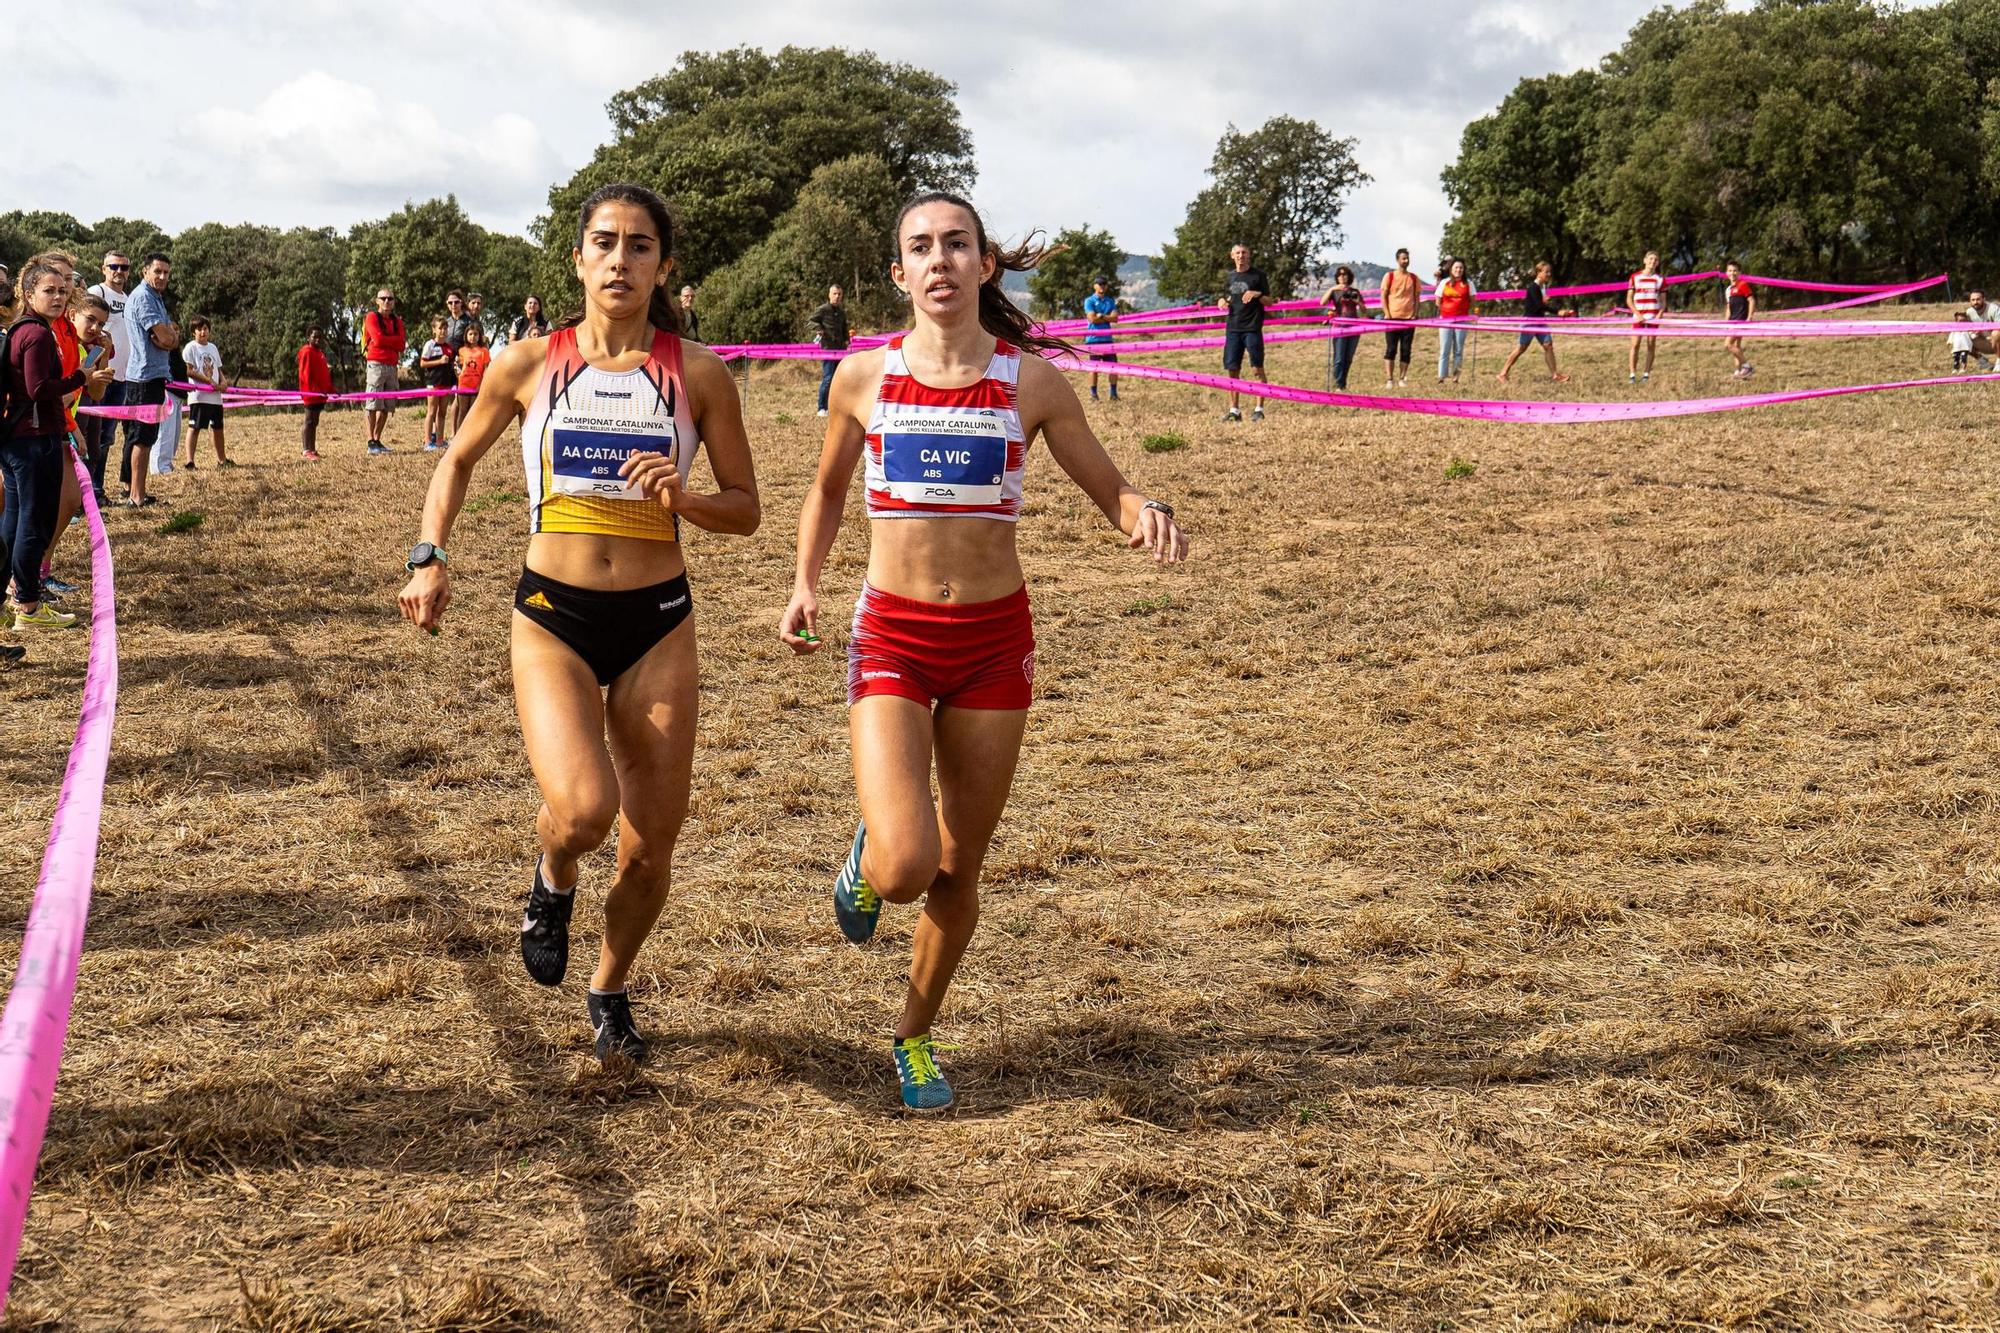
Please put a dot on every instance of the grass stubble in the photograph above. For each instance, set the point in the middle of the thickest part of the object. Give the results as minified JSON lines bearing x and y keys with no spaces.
{"x":1561,"y":895}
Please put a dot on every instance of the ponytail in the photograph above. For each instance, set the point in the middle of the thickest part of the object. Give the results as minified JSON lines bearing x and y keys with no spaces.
{"x":998,"y":315}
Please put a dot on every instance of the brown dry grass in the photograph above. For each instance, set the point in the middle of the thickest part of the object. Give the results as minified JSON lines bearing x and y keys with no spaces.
{"x":1560,"y":897}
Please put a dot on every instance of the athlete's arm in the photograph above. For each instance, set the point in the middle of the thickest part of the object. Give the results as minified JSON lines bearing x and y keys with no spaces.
{"x":1050,"y":404}
{"x":503,"y":398}
{"x":853,"y":388}
{"x":718,"y":414}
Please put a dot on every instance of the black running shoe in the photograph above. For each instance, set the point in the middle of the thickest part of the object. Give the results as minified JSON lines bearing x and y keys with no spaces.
{"x":545,"y":931}
{"x":611,"y":1019}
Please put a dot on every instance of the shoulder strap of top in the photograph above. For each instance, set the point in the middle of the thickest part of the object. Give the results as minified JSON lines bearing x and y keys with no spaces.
{"x":667,"y":351}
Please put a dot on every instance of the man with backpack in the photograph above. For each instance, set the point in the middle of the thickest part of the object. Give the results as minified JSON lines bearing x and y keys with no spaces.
{"x":382,"y":341}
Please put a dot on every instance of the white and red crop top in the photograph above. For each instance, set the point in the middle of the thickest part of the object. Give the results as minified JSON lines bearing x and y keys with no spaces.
{"x":947,"y":453}
{"x":1647,"y":289}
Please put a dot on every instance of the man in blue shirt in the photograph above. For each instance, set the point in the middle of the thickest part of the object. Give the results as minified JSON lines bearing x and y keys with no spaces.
{"x":150,"y":334}
{"x":1100,"y":308}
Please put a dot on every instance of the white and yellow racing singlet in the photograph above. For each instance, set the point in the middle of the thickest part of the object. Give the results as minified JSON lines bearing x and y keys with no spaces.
{"x":585,"y":422}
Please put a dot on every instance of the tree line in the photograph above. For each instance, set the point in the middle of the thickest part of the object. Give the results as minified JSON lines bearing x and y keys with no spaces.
{"x":262,"y":288}
{"x":1842,"y":140}
{"x":787,"y":170}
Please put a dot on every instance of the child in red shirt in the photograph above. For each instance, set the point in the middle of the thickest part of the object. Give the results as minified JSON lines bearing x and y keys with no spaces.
{"x":473,"y":358}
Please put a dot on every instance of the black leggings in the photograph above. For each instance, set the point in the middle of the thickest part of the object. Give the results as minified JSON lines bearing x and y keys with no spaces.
{"x":1401,"y":343}
{"x":610,"y":631}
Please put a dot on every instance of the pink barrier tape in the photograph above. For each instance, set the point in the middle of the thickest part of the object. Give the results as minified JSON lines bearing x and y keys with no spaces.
{"x":1485,"y":409}
{"x":157,"y":412}
{"x":37,"y":1016}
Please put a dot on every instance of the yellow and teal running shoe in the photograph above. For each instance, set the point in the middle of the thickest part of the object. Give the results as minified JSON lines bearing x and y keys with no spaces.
{"x":855,"y":905}
{"x":925,"y":1089}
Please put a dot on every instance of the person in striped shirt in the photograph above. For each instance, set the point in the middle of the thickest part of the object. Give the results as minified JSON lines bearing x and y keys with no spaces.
{"x":1645,"y":297}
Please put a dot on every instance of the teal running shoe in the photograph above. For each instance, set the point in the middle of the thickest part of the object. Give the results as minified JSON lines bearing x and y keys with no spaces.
{"x":855,"y":906}
{"x":925,"y":1089}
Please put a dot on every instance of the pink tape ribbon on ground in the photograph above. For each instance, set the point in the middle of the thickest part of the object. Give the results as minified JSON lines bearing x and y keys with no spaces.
{"x":1194,"y":317}
{"x":37,"y":1015}
{"x":1491,"y":409}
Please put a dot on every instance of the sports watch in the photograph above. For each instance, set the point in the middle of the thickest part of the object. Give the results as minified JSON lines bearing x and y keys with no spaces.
{"x":424,"y":553}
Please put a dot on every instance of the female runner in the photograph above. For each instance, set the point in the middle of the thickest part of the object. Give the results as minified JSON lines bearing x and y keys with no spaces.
{"x":612,"y":408}
{"x":942,"y":655}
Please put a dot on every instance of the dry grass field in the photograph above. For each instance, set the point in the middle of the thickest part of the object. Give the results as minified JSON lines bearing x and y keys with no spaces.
{"x":1558,"y":894}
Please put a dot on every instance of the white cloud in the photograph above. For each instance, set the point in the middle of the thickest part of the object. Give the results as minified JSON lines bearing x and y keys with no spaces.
{"x":325,"y":140}
{"x":335,"y":111}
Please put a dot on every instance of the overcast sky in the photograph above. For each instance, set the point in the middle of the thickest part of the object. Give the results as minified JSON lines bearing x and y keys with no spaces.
{"x":329,"y":112}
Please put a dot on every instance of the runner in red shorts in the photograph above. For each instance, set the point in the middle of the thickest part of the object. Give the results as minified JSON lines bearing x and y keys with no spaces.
{"x":941,"y":661}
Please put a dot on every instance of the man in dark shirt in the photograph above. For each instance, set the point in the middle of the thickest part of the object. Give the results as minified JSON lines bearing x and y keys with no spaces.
{"x":690,"y":321}
{"x":1535,"y":305}
{"x":1243,"y":329}
{"x":829,"y":326}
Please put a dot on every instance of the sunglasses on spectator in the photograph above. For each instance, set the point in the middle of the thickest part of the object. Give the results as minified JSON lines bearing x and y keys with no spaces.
{"x":117,"y":268}
{"x":385,"y":298}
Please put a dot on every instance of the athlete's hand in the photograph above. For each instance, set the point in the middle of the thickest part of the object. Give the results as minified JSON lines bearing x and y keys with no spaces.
{"x":1159,"y":534}
{"x":799,"y":626}
{"x":425,"y":597}
{"x":656,"y":477}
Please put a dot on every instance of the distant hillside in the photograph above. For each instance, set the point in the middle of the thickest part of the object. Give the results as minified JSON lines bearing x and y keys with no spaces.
{"x":1135,"y":279}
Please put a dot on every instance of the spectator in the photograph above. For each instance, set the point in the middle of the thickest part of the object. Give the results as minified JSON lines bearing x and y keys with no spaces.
{"x":829,"y":326}
{"x":1454,"y":301}
{"x":1242,"y":302}
{"x":455,"y":320}
{"x":98,"y":432}
{"x":475,"y":308}
{"x":204,"y":363}
{"x":315,"y":382}
{"x":1343,"y":300}
{"x":438,"y":364}
{"x":531,"y":324}
{"x":151,"y":337}
{"x":166,"y":447}
{"x":382,"y":343}
{"x":473,"y":358}
{"x":1981,"y":311}
{"x":31,"y":440}
{"x":1100,"y":309}
{"x":1645,"y":297}
{"x":83,"y":347}
{"x":1535,"y":305}
{"x":690,"y":321}
{"x":1739,"y":306}
{"x":1400,"y":293}
{"x":6,"y":296}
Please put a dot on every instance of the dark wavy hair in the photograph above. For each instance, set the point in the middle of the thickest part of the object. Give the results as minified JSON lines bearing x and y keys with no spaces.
{"x":997,"y":315}
{"x":661,"y":312}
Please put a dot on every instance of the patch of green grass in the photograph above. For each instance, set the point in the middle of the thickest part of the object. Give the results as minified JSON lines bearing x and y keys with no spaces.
{"x":1146,"y":606}
{"x":1458,"y":467}
{"x":1164,"y":443}
{"x":783,"y":418}
{"x":494,"y":498}
{"x":186,"y":520}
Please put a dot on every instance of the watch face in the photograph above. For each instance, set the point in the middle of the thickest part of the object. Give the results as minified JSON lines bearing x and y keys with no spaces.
{"x":421,"y":553}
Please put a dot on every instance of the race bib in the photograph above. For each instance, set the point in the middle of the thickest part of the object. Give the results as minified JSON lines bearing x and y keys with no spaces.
{"x":585,"y":460}
{"x":940,"y":457}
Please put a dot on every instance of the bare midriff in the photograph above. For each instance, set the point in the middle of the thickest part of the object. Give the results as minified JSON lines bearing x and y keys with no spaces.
{"x":943,"y":559}
{"x":606,"y":564}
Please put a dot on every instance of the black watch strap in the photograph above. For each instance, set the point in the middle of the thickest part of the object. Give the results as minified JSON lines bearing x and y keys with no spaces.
{"x":1160,"y":505}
